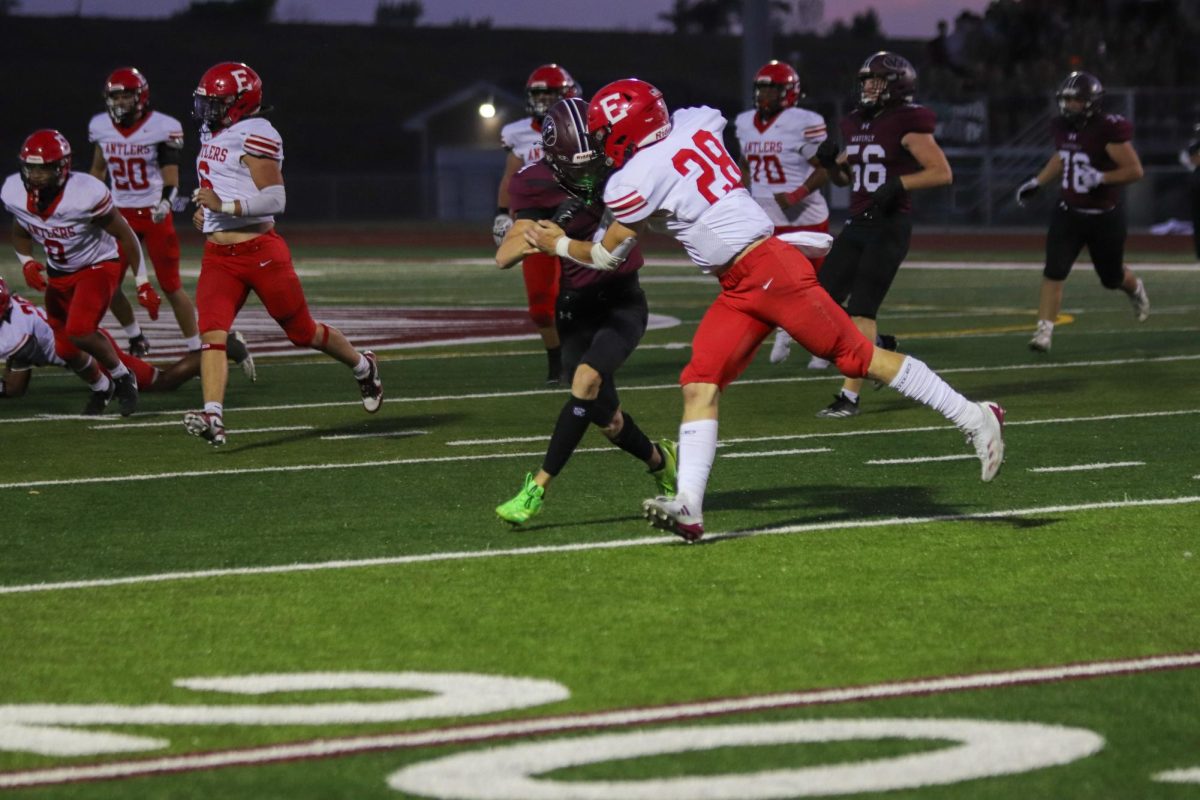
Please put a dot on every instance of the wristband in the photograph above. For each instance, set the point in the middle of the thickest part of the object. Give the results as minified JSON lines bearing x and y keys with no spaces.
{"x":229,"y":207}
{"x":169,"y":193}
{"x":562,"y":247}
{"x":24,"y":259}
{"x":798,"y":195}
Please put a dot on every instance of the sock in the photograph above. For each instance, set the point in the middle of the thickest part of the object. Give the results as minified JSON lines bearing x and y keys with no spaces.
{"x":214,"y":408}
{"x":192,"y":343}
{"x":573,"y":420}
{"x":553,"y":362}
{"x":100,"y":385}
{"x":119,"y":371}
{"x":849,"y":395}
{"x":918,"y":382}
{"x":363,"y":368}
{"x":90,"y":373}
{"x":632,"y":440}
{"x":132,"y":330}
{"x":697,"y":449}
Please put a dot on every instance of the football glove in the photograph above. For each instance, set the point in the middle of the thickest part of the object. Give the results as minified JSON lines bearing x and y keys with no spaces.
{"x":827,"y":154}
{"x":885,"y":197}
{"x":33,"y":276}
{"x":1027,"y":190}
{"x":500,"y":226}
{"x":1088,"y":177}
{"x":160,"y":210}
{"x":148,"y":299}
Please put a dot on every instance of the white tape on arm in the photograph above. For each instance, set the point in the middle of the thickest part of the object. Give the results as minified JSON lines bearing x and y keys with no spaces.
{"x":269,"y":200}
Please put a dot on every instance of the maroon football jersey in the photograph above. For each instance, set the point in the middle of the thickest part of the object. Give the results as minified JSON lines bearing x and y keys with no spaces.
{"x":1087,"y":146}
{"x":875,"y":154}
{"x":534,"y":191}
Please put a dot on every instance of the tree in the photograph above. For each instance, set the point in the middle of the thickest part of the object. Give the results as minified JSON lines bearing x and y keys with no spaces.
{"x":7,"y":7}
{"x":399,"y":13}
{"x":713,"y":16}
{"x":229,"y":11}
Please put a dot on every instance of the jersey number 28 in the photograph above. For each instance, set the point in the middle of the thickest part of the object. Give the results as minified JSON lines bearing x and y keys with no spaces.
{"x":711,"y":158}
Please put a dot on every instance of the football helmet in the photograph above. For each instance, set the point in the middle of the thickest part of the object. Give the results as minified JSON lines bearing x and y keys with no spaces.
{"x":5,"y":297}
{"x":548,"y":84}
{"x":126,"y":79}
{"x":784,"y":80}
{"x":227,"y":92}
{"x":899,"y":82}
{"x":625,"y":116}
{"x":1082,"y":86}
{"x":47,"y":149}
{"x":570,"y":152}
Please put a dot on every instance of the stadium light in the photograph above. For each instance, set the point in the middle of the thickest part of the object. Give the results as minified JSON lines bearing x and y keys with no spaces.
{"x":487,"y":110}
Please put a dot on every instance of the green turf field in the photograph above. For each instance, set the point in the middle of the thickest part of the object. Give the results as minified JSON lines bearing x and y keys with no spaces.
{"x":996,"y":640}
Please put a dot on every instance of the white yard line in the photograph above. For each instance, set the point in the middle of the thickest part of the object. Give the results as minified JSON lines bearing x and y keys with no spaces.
{"x":1083,"y":467}
{"x":385,"y":435}
{"x":921,"y":459}
{"x":813,"y":527}
{"x":599,"y":720}
{"x":780,"y":452}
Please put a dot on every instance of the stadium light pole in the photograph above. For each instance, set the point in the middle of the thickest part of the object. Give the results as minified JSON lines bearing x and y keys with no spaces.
{"x":756,"y":44}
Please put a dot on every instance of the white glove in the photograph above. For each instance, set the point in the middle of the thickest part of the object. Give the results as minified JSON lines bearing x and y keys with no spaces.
{"x":1185,"y":159}
{"x":500,"y":226}
{"x":1027,"y":190}
{"x":160,"y":210}
{"x":1088,"y":177}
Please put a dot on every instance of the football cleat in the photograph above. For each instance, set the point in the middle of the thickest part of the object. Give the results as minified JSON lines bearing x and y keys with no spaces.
{"x":371,"y":386}
{"x":816,"y":362}
{"x":126,"y":390}
{"x":988,"y":438}
{"x":672,"y":514}
{"x":1040,"y":343}
{"x":99,"y":400}
{"x":665,"y":476}
{"x":1140,"y":302}
{"x":841,"y":406}
{"x":782,"y":347}
{"x":139,"y":346}
{"x":525,"y":505}
{"x":208,"y":427}
{"x":238,"y":353}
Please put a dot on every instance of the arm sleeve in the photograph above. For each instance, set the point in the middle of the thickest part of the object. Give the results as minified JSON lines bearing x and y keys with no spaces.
{"x":168,"y":155}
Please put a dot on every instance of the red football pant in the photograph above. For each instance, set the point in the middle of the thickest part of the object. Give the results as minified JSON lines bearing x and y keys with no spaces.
{"x":160,"y":244}
{"x":142,"y":370}
{"x":229,"y":272}
{"x":774,"y":285}
{"x":76,"y":302}
{"x":820,"y":227}
{"x":541,"y":287}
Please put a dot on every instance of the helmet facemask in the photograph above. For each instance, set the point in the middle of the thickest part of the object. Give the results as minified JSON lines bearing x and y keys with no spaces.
{"x":44,"y":180}
{"x":122,"y":105}
{"x":212,"y":111}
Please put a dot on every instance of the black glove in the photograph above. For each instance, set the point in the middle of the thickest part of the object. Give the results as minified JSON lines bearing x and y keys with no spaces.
{"x":887,"y":196}
{"x":827,"y":153}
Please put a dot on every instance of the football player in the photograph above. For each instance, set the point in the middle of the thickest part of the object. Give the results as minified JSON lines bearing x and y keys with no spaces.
{"x":779,"y":163}
{"x":71,"y":215}
{"x":240,"y":170}
{"x":522,"y":139}
{"x":1190,"y":158}
{"x":676,"y":169}
{"x":138,"y":150}
{"x":1093,"y":157}
{"x":601,"y":315}
{"x":27,"y":341}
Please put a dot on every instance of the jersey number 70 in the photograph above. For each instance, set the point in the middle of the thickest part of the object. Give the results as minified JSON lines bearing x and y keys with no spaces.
{"x":710,"y":157}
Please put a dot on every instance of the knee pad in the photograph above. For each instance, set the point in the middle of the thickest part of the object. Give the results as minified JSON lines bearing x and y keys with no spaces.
{"x":541,"y":311}
{"x":301,"y":330}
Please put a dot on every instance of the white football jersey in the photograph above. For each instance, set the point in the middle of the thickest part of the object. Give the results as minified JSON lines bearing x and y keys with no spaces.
{"x":522,"y":140}
{"x":777,"y":157}
{"x":25,"y":323}
{"x":67,"y":231}
{"x":220,"y":166}
{"x":691,"y":181}
{"x":132,"y":155}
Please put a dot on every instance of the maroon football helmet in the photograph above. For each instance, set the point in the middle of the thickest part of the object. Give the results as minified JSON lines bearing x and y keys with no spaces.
{"x":899,"y":82}
{"x":548,"y":84}
{"x":625,"y":116}
{"x":1082,"y":86}
{"x":46,"y":148}
{"x":126,"y":79}
{"x":570,"y":152}
{"x":227,"y":92}
{"x":784,"y":80}
{"x":5,"y":297}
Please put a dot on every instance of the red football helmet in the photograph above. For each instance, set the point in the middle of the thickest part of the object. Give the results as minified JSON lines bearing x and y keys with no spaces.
{"x":45,"y":148}
{"x":548,"y":84}
{"x":5,"y":297}
{"x":126,"y":79}
{"x":898,"y":76}
{"x":625,"y":116}
{"x":228,"y":92}
{"x":783,"y":79}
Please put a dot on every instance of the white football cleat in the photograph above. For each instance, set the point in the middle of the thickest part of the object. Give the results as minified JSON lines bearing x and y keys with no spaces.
{"x":988,"y":439}
{"x":816,"y":362}
{"x":1140,"y":302}
{"x":1040,"y":343}
{"x":672,"y":514}
{"x":782,"y":347}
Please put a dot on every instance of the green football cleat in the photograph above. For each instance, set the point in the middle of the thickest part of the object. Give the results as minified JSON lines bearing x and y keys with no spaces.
{"x":525,"y":505}
{"x":664,"y":478}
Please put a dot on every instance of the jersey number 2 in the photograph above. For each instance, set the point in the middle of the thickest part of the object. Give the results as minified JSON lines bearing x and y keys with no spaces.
{"x":129,"y":173}
{"x":710,"y":157}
